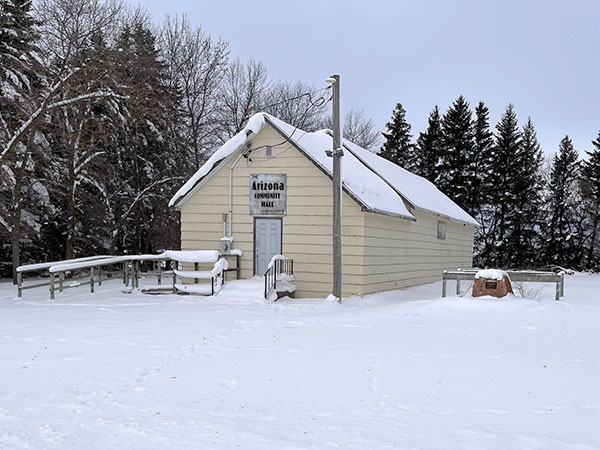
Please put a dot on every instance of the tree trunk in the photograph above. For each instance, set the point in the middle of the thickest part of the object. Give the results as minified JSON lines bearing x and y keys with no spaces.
{"x":74,"y":145}
{"x":15,"y":233}
{"x":590,"y":256}
{"x":70,"y":207}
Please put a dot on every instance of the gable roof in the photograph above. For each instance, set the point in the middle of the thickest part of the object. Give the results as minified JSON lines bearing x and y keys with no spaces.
{"x":419,"y":192}
{"x":378,"y":185}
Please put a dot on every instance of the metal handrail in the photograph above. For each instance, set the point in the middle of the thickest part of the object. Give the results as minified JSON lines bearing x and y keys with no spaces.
{"x":279,"y":266}
{"x":528,"y":276}
{"x":214,"y":279}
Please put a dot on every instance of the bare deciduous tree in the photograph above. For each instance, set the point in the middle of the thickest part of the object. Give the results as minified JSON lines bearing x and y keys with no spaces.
{"x":298,"y":104}
{"x":243,"y":93}
{"x":72,"y":30}
{"x":195,"y":65}
{"x":360,"y":130}
{"x":68,"y":25}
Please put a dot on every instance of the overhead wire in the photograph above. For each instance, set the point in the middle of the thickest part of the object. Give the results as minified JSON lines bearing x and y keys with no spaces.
{"x":305,"y":94}
{"x":319,"y":102}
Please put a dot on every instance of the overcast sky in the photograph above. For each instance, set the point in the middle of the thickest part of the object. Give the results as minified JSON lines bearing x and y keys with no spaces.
{"x":541,"y":55}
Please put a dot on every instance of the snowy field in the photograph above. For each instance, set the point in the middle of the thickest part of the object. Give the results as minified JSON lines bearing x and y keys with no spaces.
{"x":402,"y":369}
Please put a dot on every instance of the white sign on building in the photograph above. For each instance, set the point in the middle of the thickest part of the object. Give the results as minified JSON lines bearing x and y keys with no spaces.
{"x":268,"y":194}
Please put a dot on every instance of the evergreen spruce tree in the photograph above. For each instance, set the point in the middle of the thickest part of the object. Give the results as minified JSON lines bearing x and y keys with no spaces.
{"x":482,"y":157}
{"x":147,"y":158}
{"x":398,"y":147}
{"x":562,"y":192}
{"x":456,"y":164}
{"x":429,"y":148}
{"x":591,"y":177}
{"x":524,"y":239}
{"x":21,"y":77}
{"x":19,"y":74}
{"x":503,"y":177}
{"x":482,"y":184}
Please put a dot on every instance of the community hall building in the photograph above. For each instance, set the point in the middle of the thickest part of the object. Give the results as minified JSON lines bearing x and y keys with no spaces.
{"x":398,"y":229}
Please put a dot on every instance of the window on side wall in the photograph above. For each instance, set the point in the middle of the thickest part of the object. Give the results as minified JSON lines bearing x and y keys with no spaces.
{"x":441,"y":230}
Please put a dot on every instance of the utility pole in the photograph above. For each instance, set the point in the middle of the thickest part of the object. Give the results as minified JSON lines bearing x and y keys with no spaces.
{"x":337,"y":154}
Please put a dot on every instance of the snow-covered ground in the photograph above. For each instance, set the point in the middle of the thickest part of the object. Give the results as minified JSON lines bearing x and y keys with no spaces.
{"x":402,"y":369}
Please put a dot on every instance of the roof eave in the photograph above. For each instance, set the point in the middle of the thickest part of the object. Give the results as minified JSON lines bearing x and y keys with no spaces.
{"x":444,"y":216}
{"x":389,"y":214}
{"x":178,"y":204}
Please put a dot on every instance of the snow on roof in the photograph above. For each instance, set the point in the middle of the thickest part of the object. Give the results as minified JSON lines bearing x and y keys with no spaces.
{"x":254,"y":125}
{"x":418,"y":191}
{"x":362,"y":184}
{"x":377,"y":184}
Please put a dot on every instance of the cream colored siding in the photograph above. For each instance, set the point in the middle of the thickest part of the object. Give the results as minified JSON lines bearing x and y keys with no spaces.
{"x":307,"y":227}
{"x":399,"y":253}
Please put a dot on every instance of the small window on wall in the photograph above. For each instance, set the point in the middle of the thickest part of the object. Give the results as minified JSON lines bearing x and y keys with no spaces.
{"x":441,"y":230}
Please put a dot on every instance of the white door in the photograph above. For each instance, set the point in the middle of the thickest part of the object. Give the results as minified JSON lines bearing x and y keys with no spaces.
{"x":267,"y":242}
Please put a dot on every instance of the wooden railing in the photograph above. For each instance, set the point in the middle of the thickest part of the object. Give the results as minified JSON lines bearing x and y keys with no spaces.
{"x":279,"y":265}
{"x":516,"y":276}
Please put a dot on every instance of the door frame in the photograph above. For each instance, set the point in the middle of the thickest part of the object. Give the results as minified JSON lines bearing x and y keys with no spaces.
{"x":254,"y":240}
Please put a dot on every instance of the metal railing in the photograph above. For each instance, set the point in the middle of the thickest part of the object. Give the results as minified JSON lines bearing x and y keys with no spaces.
{"x":93,"y":271}
{"x":276,"y":269}
{"x":43,"y":267}
{"x":516,"y":276}
{"x":216,"y":276}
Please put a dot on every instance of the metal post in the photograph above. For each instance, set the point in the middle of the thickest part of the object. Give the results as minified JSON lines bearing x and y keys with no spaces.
{"x":174,"y":265}
{"x":19,"y":284}
{"x":196,"y":270}
{"x":92,"y":280}
{"x":51,"y":286}
{"x":337,"y":190}
{"x":61,"y":279}
{"x":457,"y":288}
{"x":159,"y":272}
{"x":444,"y":284}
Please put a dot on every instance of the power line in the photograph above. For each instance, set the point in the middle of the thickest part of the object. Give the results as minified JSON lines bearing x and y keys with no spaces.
{"x":321,"y":101}
{"x":306,"y":94}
